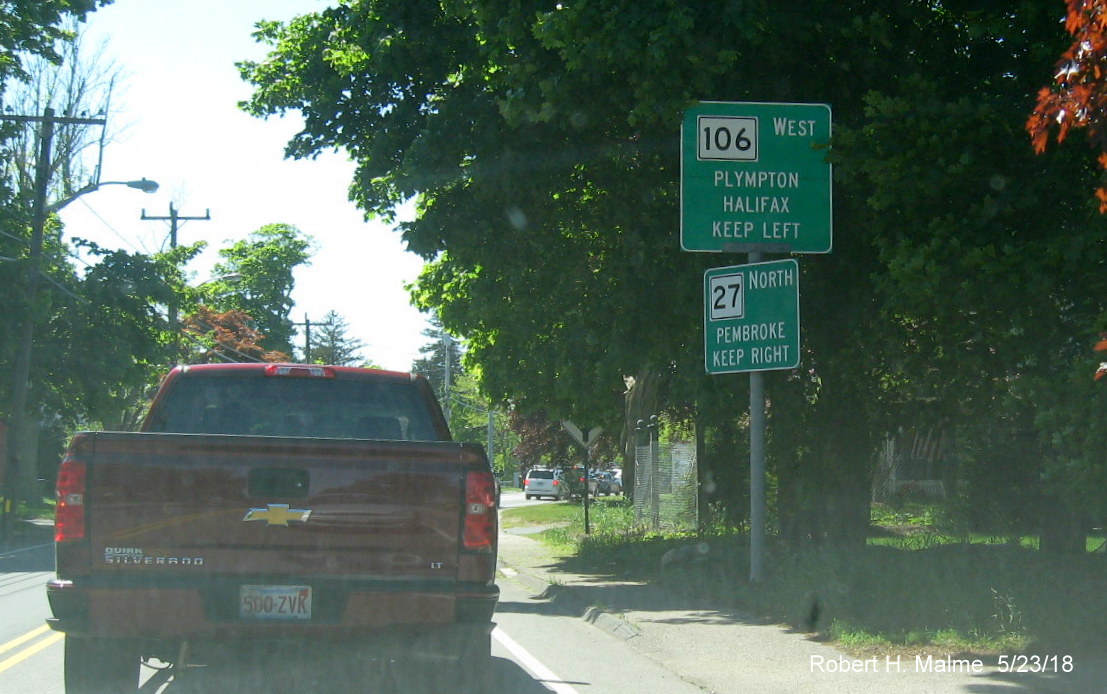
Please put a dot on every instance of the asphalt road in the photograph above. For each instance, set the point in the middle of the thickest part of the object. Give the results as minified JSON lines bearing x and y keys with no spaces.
{"x":535,"y":650}
{"x":30,"y":653}
{"x":513,"y":499}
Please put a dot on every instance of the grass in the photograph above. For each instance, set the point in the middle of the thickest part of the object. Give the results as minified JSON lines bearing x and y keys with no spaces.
{"x":915,"y":587}
{"x":540,"y":514}
{"x":24,"y":510}
{"x":609,"y":518}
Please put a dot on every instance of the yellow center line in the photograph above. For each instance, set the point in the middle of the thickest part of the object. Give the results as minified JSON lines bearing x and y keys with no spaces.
{"x":23,"y":639}
{"x":31,"y":650}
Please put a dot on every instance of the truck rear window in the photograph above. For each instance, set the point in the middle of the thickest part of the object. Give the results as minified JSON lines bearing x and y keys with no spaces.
{"x":323,"y":408}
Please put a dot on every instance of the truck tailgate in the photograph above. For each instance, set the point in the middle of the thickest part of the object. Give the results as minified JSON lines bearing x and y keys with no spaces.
{"x":271,"y":506}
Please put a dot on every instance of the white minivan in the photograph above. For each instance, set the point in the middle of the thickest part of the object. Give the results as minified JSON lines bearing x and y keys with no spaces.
{"x":539,"y":483}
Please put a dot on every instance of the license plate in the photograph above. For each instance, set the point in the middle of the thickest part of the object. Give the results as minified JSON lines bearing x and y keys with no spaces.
{"x":274,"y":602}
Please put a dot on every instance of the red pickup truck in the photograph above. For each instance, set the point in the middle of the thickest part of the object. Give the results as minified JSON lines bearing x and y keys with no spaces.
{"x":273,"y":501}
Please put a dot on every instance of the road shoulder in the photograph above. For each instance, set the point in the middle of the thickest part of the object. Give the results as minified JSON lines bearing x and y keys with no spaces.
{"x":722,"y":650}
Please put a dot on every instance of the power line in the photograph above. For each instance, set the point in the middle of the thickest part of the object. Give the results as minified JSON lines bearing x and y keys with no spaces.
{"x":110,"y":228}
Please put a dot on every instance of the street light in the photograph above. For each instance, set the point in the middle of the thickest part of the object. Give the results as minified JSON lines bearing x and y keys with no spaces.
{"x":143,"y":184}
{"x":232,"y":277}
{"x":16,"y":480}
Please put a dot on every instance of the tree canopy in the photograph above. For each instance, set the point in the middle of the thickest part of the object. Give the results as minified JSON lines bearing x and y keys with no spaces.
{"x":34,"y":27}
{"x":1078,"y":96}
{"x":331,"y":343}
{"x":101,"y":326}
{"x":255,"y":277}
{"x":541,"y":140}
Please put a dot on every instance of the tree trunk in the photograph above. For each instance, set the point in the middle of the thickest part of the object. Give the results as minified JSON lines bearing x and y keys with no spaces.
{"x":824,"y":487}
{"x":1064,"y":531}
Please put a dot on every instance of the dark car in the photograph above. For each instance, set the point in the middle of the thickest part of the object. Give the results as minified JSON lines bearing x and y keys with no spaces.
{"x":575,"y":478}
{"x":603,"y":483}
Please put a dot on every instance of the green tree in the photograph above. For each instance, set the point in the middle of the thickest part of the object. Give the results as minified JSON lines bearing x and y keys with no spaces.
{"x":331,"y":343}
{"x":72,"y":81}
{"x":34,"y":37}
{"x":542,"y":143}
{"x":463,"y":400}
{"x":107,"y":341}
{"x":256,"y":277}
{"x":31,"y":31}
{"x":469,"y":419}
{"x":441,"y":362}
{"x":562,"y":124}
{"x":987,"y":279}
{"x":34,"y":27}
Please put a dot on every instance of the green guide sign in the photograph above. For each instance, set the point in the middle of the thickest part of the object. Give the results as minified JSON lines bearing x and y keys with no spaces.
{"x":754,"y":177}
{"x":751,"y":317}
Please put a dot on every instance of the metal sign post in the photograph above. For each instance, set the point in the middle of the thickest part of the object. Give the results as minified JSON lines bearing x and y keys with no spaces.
{"x":587,"y":439}
{"x":754,"y":179}
{"x":751,"y":324}
{"x":758,"y":434}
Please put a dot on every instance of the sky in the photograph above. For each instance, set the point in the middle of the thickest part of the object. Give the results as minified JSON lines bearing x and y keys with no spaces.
{"x":175,"y":120}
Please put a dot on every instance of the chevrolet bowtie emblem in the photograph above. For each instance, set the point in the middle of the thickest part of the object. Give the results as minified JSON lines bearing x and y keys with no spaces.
{"x":277,"y":514}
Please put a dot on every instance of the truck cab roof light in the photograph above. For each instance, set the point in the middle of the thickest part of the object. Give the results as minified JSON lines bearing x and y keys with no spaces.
{"x":299,"y":371}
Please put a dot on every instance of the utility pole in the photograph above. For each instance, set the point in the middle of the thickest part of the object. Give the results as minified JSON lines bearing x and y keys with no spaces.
{"x":307,"y":338}
{"x":491,"y":436}
{"x":447,"y":341}
{"x":174,"y":218}
{"x":17,"y":483}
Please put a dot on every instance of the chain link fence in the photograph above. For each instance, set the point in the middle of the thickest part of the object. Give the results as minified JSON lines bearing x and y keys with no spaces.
{"x":908,"y":468}
{"x":666,"y":486}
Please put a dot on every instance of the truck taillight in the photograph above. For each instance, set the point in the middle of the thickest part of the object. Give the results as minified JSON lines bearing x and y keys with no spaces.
{"x":69,"y":514}
{"x":480,"y":510}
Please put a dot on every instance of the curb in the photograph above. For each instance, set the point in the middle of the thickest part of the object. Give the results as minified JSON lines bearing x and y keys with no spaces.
{"x":569,"y":605}
{"x":611,"y":623}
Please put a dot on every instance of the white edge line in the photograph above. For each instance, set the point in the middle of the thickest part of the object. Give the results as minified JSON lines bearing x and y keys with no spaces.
{"x":10,"y":552}
{"x":548,"y":678}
